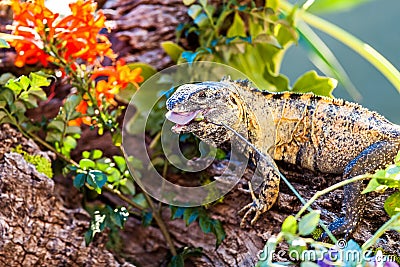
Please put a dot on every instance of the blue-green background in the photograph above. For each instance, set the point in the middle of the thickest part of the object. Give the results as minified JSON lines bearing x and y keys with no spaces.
{"x":377,"y":23}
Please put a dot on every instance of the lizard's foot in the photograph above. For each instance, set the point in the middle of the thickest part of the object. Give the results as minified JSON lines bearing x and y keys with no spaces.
{"x":257,"y":206}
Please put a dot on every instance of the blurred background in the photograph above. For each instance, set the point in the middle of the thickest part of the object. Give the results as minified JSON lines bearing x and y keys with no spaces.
{"x":376,"y":23}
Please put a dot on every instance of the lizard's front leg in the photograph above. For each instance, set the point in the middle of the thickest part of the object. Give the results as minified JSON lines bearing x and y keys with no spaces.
{"x":370,"y":159}
{"x":267,"y":179}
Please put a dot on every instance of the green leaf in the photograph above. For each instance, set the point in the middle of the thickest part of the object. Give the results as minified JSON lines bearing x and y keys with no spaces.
{"x":86,"y":154}
{"x":309,"y":222}
{"x":237,"y":28}
{"x":128,"y":188}
{"x":311,"y":82}
{"x":79,"y":180}
{"x":392,"y":204}
{"x":96,"y":179}
{"x":38,"y":80}
{"x":289,"y":225}
{"x":5,"y":77}
{"x":173,"y":50}
{"x":218,"y":231}
{"x":188,"y":2}
{"x":205,"y":224}
{"x":190,"y":215}
{"x":24,"y":82}
{"x":201,"y":20}
{"x":140,"y":200}
{"x":86,"y":164}
{"x":120,"y":161}
{"x":177,"y":212}
{"x":372,"y":186}
{"x":89,"y":237}
{"x":147,"y":218}
{"x":14,"y":86}
{"x":57,"y":125}
{"x":4,"y":44}
{"x":177,"y":261}
{"x":7,"y":95}
{"x":324,"y":59}
{"x":96,"y":154}
{"x":194,"y":11}
{"x":330,"y":6}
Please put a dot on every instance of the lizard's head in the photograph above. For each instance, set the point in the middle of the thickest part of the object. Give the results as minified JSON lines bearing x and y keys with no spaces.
{"x":197,"y":108}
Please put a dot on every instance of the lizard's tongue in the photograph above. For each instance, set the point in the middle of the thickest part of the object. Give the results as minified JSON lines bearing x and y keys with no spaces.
{"x":181,"y":118}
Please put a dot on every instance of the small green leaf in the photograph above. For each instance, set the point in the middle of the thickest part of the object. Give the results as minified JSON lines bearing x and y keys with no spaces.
{"x":57,"y":125}
{"x":128,"y":188}
{"x":205,"y":224}
{"x":120,"y":161}
{"x":24,"y":82}
{"x":218,"y":231}
{"x":372,"y":186}
{"x":194,"y":11}
{"x":188,"y":2}
{"x":330,"y":6}
{"x":190,"y":215}
{"x":177,"y":212}
{"x":79,"y":180}
{"x":311,"y":82}
{"x":38,"y":80}
{"x":392,"y":204}
{"x":140,"y":200}
{"x":96,"y":154}
{"x":100,"y":177}
{"x":4,"y":44}
{"x":201,"y":20}
{"x":86,"y":154}
{"x":289,"y":225}
{"x":147,"y":218}
{"x":173,"y":50}
{"x":177,"y":261}
{"x":7,"y":95}
{"x":237,"y":28}
{"x":89,"y":237}
{"x":86,"y":164}
{"x":309,"y":222}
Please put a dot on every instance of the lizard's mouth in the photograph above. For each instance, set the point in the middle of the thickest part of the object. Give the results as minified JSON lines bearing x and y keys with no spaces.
{"x":183,"y":119}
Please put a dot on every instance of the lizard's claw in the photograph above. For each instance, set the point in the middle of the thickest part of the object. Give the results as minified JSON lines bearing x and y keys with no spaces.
{"x":257,"y":206}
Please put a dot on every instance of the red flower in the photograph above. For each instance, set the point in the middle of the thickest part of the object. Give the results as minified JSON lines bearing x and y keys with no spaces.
{"x":39,"y":33}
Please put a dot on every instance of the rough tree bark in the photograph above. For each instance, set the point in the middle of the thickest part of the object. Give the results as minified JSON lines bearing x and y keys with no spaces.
{"x":36,"y":228}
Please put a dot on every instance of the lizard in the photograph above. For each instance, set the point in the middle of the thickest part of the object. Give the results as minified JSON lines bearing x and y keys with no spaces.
{"x":318,"y":133}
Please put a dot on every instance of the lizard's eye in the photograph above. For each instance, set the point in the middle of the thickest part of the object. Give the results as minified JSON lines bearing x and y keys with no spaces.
{"x":202,"y":95}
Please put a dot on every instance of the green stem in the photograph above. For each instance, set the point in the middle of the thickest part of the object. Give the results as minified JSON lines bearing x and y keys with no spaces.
{"x":372,"y":241}
{"x":329,"y":189}
{"x":362,"y":48}
{"x":117,"y":193}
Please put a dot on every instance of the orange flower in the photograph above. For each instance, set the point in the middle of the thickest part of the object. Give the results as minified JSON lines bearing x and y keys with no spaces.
{"x":117,"y":78}
{"x":73,"y":37}
{"x":82,"y":108}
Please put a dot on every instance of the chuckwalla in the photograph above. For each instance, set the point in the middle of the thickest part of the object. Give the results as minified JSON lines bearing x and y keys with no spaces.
{"x":314,"y":132}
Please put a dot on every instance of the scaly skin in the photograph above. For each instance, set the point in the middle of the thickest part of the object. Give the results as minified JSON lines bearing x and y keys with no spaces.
{"x":317,"y":133}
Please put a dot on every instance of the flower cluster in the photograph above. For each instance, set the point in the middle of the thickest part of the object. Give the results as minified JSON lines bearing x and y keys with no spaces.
{"x":76,"y":46}
{"x":42,"y":36}
{"x":112,"y":79}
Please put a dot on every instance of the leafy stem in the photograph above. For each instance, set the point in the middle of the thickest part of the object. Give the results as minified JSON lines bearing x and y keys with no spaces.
{"x":362,"y":48}
{"x":155,"y":212}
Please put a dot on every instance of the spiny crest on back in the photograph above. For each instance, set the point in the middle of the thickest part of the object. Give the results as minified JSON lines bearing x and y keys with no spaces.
{"x":242,"y":83}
